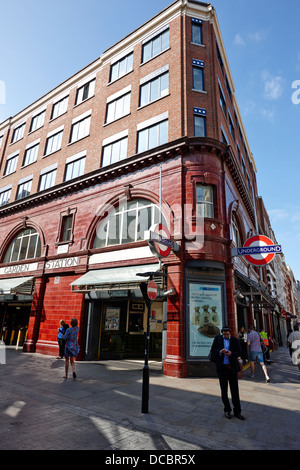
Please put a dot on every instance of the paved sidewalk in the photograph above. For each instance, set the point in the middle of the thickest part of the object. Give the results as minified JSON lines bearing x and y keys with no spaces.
{"x":101,"y":409}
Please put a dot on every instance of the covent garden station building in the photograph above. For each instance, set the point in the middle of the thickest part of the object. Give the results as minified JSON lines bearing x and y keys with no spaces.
{"x":145,"y":142}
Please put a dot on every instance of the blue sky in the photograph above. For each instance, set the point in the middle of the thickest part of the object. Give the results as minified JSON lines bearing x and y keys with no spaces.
{"x":44,"y":43}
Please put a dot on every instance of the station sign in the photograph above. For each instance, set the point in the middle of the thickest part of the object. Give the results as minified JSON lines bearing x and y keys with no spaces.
{"x":258,"y":250}
{"x":160,"y":241}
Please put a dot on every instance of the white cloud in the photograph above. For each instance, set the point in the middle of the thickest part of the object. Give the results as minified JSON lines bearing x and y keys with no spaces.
{"x":258,"y":36}
{"x":273,"y":85}
{"x":238,"y":40}
{"x":277,"y":215}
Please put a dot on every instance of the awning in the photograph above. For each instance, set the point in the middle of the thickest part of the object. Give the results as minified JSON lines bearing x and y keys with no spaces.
{"x":115,"y":278}
{"x":255,"y":290}
{"x":17,"y":285}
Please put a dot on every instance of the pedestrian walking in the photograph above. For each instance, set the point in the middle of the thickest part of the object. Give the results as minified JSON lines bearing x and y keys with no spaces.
{"x":60,"y":338}
{"x":266,"y":354}
{"x":71,"y":346}
{"x":254,"y":343}
{"x":244,"y":344}
{"x":294,"y":341}
{"x":227,"y":353}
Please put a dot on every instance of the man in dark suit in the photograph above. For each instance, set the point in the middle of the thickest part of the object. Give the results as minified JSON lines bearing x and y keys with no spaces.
{"x":227,"y":352}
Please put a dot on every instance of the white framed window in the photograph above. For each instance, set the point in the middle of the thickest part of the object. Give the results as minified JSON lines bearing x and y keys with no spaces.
{"x":18,"y":133}
{"x":31,"y":153}
{"x":26,"y":245}
{"x":37,"y":121}
{"x":80,"y":127}
{"x":205,"y":201}
{"x":114,"y":151}
{"x":60,"y":107}
{"x":156,"y":44}
{"x":5,"y":195}
{"x":127,"y":223}
{"x":24,"y":187}
{"x":154,"y":87}
{"x":47,"y":177}
{"x":235,"y":233}
{"x":75,"y":166}
{"x":54,"y":140}
{"x":153,"y":132}
{"x":118,"y":107}
{"x":85,"y":91}
{"x":121,"y":67}
{"x":11,"y":163}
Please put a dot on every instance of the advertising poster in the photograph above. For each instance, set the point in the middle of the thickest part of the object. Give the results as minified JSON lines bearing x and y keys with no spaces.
{"x":206,"y":315}
{"x":112,"y":318}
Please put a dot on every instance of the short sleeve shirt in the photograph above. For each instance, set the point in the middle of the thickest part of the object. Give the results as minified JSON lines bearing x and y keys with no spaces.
{"x":254,"y":340}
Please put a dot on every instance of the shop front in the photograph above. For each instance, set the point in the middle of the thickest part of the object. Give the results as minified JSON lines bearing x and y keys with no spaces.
{"x":116,"y":312}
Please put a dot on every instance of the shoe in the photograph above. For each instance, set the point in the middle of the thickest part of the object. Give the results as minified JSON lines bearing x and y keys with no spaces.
{"x":268,"y":380}
{"x":239,"y":416}
{"x":74,"y":375}
{"x":251,"y":375}
{"x":227,"y":414}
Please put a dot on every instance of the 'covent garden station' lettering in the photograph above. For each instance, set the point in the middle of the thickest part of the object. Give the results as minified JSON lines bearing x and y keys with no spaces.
{"x":52,"y":264}
{"x":62,"y":263}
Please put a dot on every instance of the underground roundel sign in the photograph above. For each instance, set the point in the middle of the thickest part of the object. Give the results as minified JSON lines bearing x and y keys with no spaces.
{"x":259,"y":250}
{"x":162,"y":249}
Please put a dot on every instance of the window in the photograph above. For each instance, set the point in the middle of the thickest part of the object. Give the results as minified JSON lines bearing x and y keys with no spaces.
{"x":127,"y":223}
{"x":5,"y":195}
{"x":60,"y":107}
{"x":1,"y":138}
{"x":37,"y":121}
{"x":47,"y":178}
{"x":231,"y":126}
{"x":114,"y":152}
{"x":154,"y":89}
{"x":74,"y":168}
{"x":222,"y":100}
{"x":122,"y":67}
{"x":198,"y":75}
{"x":235,"y":233}
{"x":199,"y":122}
{"x":26,"y":245}
{"x":204,"y":198}
{"x":219,"y":57}
{"x":153,"y":136}
{"x":86,"y":91}
{"x":197,"y":31}
{"x":67,"y":224}
{"x":118,"y":108}
{"x":156,"y":44}
{"x":80,"y":129}
{"x":24,"y":188}
{"x":11,"y":163}
{"x":53,"y":142}
{"x":18,"y":133}
{"x":31,"y":154}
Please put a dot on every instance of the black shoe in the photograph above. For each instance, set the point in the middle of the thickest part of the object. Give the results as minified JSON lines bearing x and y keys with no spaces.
{"x":239,"y":416}
{"x":227,"y":414}
{"x":74,"y":375}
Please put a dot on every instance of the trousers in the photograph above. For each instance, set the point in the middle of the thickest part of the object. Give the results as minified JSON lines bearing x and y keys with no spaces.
{"x":227,"y":377}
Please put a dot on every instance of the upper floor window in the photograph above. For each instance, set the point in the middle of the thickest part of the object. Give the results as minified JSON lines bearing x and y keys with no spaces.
{"x":235,"y":233}
{"x":53,"y":142}
{"x":114,"y":151}
{"x":31,"y":154}
{"x":152,"y":135}
{"x":222,"y":100}
{"x":156,"y":44}
{"x":80,"y":128}
{"x":47,"y":177}
{"x":199,"y":122}
{"x":127,"y":223}
{"x":26,"y":245}
{"x":197,"y":31}
{"x":24,"y":187}
{"x":85,"y":92}
{"x":198,"y":75}
{"x":1,"y":138}
{"x":121,"y":67}
{"x":75,"y":166}
{"x":11,"y":163}
{"x":18,"y":133}
{"x":154,"y":87}
{"x":60,"y":107}
{"x":5,"y":195}
{"x":37,"y":121}
{"x":205,"y":201}
{"x":118,"y":107}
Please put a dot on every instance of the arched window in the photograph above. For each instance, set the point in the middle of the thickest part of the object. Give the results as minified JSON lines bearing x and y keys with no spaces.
{"x":127,"y":223}
{"x":235,"y":233}
{"x":26,"y":245}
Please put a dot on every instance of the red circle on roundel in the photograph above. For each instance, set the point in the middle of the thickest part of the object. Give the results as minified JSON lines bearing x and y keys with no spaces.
{"x":152,"y":290}
{"x":260,"y":259}
{"x":162,"y":250}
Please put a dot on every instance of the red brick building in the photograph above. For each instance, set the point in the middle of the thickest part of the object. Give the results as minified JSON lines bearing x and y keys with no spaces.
{"x":152,"y":124}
